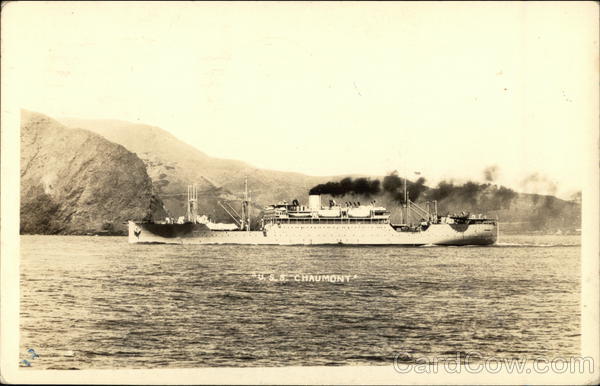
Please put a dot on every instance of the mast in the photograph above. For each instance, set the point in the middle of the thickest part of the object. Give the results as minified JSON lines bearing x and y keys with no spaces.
{"x":406,"y":205}
{"x":188,"y":203}
{"x":246,"y":203}
{"x":243,"y":216}
{"x":192,"y":203}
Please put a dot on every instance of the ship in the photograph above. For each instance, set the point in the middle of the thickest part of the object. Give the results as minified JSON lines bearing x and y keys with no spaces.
{"x":348,"y":223}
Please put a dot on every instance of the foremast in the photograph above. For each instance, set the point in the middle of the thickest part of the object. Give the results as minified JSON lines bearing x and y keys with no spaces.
{"x":242,"y":219}
{"x":246,"y":208}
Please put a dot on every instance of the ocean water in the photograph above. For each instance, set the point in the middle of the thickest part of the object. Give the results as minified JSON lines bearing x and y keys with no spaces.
{"x":99,"y":302}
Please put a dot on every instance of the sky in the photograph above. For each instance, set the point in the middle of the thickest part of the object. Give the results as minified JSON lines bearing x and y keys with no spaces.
{"x":445,"y":89}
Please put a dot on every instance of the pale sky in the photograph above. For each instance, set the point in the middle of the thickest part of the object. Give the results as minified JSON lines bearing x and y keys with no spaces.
{"x":446,"y":89}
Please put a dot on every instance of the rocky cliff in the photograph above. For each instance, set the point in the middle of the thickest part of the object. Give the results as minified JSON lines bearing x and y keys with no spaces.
{"x":76,"y":182}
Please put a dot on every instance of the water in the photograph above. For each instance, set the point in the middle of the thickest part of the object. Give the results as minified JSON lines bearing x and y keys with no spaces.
{"x":98,"y":302}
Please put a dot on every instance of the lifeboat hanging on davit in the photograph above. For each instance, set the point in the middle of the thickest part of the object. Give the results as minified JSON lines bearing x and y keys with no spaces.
{"x":359,"y":212}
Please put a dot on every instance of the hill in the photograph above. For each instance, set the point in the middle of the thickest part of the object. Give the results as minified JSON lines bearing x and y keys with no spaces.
{"x":77,"y":182}
{"x":173,"y":164}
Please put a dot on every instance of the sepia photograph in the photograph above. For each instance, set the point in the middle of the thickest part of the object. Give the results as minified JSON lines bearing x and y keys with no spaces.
{"x":300,"y":192}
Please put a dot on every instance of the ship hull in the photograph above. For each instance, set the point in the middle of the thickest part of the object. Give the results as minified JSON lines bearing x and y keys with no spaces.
{"x":315,"y":234}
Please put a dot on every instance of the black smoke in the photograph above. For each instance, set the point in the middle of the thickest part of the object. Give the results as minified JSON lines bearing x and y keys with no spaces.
{"x":504,"y":196}
{"x":416,"y":188}
{"x":394,"y":185}
{"x":443,"y":190}
{"x":491,"y":173}
{"x":469,"y":191}
{"x":348,"y":185}
{"x":476,"y":194}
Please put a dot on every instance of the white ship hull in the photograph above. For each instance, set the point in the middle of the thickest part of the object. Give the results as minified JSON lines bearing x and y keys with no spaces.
{"x":316,"y":234}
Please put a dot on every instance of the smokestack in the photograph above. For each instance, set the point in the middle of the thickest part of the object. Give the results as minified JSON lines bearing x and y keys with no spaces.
{"x":314,"y":202}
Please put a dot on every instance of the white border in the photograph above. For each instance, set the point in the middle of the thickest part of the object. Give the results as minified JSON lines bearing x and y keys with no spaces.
{"x":9,"y":265}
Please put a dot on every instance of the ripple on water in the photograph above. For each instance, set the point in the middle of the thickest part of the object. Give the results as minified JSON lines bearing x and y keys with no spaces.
{"x":98,"y":302}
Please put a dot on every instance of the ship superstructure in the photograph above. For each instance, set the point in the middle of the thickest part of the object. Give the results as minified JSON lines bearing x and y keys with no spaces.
{"x":344,"y":223}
